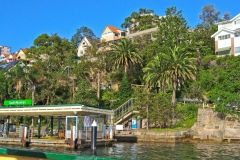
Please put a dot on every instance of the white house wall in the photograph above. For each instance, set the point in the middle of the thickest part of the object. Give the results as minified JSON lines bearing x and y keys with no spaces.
{"x":225,"y":42}
{"x":82,"y":47}
{"x":230,"y":27}
{"x":237,"y":42}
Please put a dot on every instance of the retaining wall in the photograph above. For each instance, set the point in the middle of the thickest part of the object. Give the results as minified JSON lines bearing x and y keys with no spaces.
{"x":212,"y":125}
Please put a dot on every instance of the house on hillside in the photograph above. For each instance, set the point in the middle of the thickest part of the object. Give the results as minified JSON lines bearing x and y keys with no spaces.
{"x":86,"y":42}
{"x":111,"y":33}
{"x":21,"y":54}
{"x":4,"y":49}
{"x":11,"y":58}
{"x":227,"y":38}
{"x":3,"y":57}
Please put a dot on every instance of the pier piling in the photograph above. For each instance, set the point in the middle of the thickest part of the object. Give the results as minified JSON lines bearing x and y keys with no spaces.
{"x":94,"y":136}
{"x":39,"y":126}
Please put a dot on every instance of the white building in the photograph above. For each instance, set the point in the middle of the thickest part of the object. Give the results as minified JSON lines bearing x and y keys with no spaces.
{"x":4,"y":50}
{"x":227,"y":38}
{"x":3,"y":57}
{"x":85,"y":42}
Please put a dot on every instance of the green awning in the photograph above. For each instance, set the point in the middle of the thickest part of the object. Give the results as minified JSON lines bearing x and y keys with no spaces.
{"x":223,"y":49}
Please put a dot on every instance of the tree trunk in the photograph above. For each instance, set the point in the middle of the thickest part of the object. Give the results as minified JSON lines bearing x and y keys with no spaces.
{"x":47,"y":100}
{"x":19,"y":89}
{"x":73,"y":90}
{"x":147,"y":118}
{"x":174,"y":101}
{"x":33,"y":94}
{"x":125,"y":69}
{"x":164,"y":89}
{"x":98,"y":86}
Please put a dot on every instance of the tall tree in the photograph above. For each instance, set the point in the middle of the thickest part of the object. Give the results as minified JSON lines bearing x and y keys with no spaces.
{"x":124,"y":53}
{"x":53,"y":57}
{"x":209,"y":15}
{"x":227,"y":16}
{"x":141,"y":20}
{"x":85,"y":94}
{"x":81,"y":32}
{"x":32,"y":77}
{"x":3,"y":86}
{"x":125,"y":91}
{"x":172,"y":68}
{"x":174,"y":52}
{"x":173,"y":30}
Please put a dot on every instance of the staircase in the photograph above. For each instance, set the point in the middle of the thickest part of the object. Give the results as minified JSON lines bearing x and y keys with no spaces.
{"x":124,"y":112}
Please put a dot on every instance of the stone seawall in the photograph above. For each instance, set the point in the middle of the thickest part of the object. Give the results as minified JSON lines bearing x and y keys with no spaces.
{"x":152,"y":136}
{"x":210,"y":126}
{"x":215,"y":126}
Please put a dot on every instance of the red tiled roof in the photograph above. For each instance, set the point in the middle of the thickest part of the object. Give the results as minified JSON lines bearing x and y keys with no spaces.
{"x":14,"y":56}
{"x":6,"y":55}
{"x":114,"y":29}
{"x":25,"y":50}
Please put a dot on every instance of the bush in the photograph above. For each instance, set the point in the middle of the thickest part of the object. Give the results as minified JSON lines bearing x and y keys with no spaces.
{"x":125,"y":90}
{"x":187,"y":115}
{"x":109,"y":99}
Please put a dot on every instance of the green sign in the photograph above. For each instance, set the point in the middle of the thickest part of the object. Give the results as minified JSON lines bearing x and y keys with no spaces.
{"x":17,"y":102}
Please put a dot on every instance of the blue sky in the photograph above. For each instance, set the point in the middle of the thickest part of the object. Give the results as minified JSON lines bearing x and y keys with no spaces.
{"x":24,"y":20}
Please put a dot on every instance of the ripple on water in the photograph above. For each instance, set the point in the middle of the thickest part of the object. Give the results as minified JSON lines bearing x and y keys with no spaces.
{"x":155,"y":151}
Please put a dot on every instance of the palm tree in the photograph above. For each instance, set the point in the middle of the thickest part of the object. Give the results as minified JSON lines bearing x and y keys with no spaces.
{"x":170,"y":68}
{"x":124,"y":54}
{"x":154,"y":77}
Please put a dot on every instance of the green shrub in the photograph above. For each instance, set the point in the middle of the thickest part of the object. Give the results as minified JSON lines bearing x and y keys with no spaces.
{"x":187,"y":115}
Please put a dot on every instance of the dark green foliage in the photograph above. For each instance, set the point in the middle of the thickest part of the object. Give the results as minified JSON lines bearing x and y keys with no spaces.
{"x":85,"y":95}
{"x":175,"y":55}
{"x":173,"y":30}
{"x":156,"y":107}
{"x":124,"y":54}
{"x":125,"y":90}
{"x":81,"y":32}
{"x":222,"y":82}
{"x":141,"y":20}
{"x":3,"y":86}
{"x":208,"y":61}
{"x":110,"y":99}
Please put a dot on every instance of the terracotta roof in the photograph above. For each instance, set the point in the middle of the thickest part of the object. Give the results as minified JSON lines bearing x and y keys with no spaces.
{"x":13,"y":56}
{"x":24,"y":50}
{"x":6,"y":55}
{"x":114,"y":29}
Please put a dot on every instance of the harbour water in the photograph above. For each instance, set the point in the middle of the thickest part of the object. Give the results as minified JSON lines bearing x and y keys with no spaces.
{"x":154,"y":151}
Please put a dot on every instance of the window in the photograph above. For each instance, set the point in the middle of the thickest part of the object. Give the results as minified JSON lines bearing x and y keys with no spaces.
{"x":237,"y":34}
{"x":224,"y":37}
{"x":116,"y":34}
{"x":237,"y":21}
{"x":123,"y":34}
{"x":223,"y":53}
{"x":237,"y":49}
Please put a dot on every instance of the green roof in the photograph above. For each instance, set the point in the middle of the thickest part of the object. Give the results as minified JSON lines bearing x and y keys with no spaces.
{"x":62,"y":105}
{"x":224,"y":49}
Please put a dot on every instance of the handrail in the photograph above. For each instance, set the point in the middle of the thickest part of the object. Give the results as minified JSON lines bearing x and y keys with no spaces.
{"x":124,"y":104}
{"x":124,"y":109}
